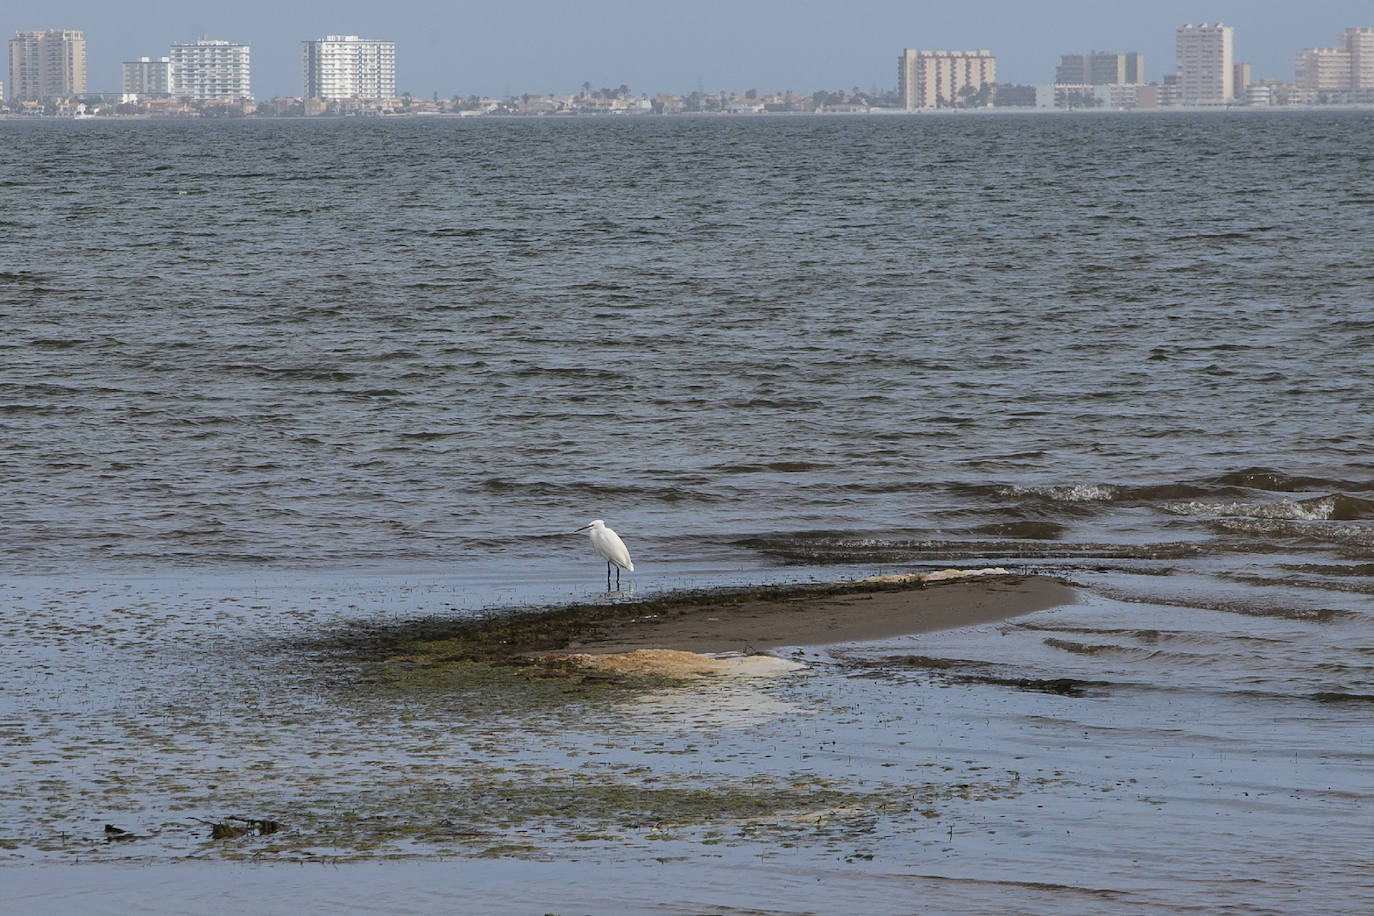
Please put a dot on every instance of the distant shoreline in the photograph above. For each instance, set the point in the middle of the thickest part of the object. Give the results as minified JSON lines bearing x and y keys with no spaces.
{"x":694,"y":115}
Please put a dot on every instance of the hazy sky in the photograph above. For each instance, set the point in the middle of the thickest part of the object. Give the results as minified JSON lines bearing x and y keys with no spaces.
{"x":677,"y":46}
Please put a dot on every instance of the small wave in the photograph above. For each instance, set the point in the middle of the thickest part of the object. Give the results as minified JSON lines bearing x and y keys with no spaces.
{"x":1357,"y":540}
{"x":1074,"y":493}
{"x":1332,"y":569}
{"x":968,"y":671}
{"x":1336,"y":507}
{"x":848,"y":547}
{"x":1030,"y":530}
{"x":1137,"y":652}
{"x":1259,"y":478}
{"x":1337,"y":696}
{"x":777,"y":467}
{"x":1345,"y":585}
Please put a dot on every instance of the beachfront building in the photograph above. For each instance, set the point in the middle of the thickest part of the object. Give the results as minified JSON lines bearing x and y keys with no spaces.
{"x":48,"y":64}
{"x":936,"y":79}
{"x":339,"y":67}
{"x":147,"y":78}
{"x":1206,"y":74}
{"x":211,"y":71}
{"x":1100,"y":68}
{"x":1359,"y":44}
{"x":1321,"y":71}
{"x":1345,"y":72}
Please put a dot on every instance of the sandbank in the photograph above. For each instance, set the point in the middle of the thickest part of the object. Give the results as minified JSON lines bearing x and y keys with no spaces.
{"x":864,"y":610}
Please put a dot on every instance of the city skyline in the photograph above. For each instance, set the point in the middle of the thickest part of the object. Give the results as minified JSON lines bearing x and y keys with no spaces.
{"x":537,"y":46}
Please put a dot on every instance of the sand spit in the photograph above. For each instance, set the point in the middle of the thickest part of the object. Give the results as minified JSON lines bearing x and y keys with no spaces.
{"x":714,"y":625}
{"x":864,"y":610}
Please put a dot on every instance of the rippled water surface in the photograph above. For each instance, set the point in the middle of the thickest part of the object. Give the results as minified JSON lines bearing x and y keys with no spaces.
{"x":400,"y":361}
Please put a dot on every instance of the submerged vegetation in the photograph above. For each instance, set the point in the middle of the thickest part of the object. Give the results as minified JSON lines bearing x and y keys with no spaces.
{"x":462,"y":737}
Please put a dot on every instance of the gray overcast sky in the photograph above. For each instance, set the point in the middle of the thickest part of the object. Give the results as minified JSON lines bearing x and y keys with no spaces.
{"x":677,"y":46}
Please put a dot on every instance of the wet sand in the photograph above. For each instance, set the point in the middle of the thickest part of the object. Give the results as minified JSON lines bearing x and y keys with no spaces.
{"x":860,"y":613}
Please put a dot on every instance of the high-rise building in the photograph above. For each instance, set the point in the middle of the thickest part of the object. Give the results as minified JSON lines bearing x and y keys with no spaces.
{"x":1321,"y":70}
{"x":49,"y":64}
{"x":931,"y":79}
{"x":1359,"y":44}
{"x":1205,"y":66}
{"x":1100,"y":68}
{"x":148,"y":78}
{"x":345,"y":66}
{"x":1329,"y":74}
{"x":1135,"y":67}
{"x":211,"y":71}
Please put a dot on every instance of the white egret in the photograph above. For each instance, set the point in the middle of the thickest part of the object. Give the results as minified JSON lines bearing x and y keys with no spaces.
{"x":610,"y":547}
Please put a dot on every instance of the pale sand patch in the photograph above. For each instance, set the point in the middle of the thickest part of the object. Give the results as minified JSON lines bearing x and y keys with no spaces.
{"x":679,"y":664}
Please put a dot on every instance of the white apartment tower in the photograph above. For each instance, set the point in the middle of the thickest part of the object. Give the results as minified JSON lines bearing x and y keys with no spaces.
{"x":931,"y":79}
{"x":1206,"y":74}
{"x":147,"y":78}
{"x":1359,"y":44}
{"x":1321,"y":70}
{"x":49,"y":64}
{"x":1348,"y":67}
{"x":211,"y":71}
{"x":339,"y":67}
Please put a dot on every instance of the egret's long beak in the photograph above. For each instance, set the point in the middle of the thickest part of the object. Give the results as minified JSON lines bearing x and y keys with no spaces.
{"x":583,"y":528}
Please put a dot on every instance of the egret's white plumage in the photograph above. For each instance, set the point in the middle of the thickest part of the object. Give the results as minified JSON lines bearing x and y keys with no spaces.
{"x":609,"y":547}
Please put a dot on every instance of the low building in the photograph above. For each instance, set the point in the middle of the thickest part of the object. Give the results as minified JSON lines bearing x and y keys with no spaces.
{"x":1009,"y":96}
{"x":1169,"y":94}
{"x":1073,"y":96}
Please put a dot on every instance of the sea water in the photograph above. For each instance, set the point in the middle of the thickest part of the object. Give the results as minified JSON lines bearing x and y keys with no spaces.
{"x":259,"y":379}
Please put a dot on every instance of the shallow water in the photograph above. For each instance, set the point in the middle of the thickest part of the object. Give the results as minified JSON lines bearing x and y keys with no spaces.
{"x":261,"y":380}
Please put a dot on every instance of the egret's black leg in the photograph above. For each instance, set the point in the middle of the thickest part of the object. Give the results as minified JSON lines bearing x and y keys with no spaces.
{"x":608,"y":576}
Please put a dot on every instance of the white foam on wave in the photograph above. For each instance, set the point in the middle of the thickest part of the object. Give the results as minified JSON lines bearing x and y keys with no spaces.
{"x":1076,"y":493}
{"x":1311,"y":510}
